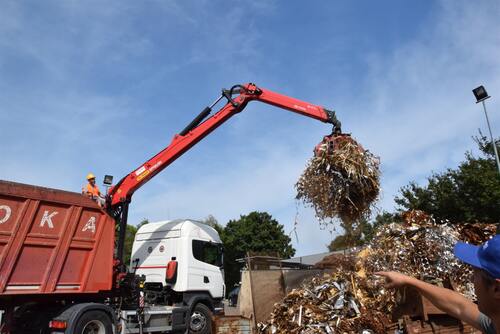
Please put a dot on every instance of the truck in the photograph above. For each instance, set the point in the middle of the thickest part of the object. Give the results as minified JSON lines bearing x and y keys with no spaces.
{"x":181,"y":260}
{"x":61,"y":254}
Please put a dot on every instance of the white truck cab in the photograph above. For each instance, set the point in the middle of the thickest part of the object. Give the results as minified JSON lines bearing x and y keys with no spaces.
{"x":182,"y":255}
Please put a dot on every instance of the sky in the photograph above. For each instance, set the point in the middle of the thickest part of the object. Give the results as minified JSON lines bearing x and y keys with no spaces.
{"x":93,"y":86}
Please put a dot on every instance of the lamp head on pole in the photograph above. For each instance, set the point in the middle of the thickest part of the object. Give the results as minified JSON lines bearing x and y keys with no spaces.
{"x":480,"y":93}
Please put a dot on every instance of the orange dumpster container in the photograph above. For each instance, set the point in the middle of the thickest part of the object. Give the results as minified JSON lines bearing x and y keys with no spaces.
{"x":53,"y":241}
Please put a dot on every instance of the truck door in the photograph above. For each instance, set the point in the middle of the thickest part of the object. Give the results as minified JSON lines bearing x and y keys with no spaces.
{"x":205,"y":270}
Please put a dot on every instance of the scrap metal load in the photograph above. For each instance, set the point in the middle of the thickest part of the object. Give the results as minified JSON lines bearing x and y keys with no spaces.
{"x":329,"y":304}
{"x":341,"y":180}
{"x":423,"y":247}
{"x":352,"y":300}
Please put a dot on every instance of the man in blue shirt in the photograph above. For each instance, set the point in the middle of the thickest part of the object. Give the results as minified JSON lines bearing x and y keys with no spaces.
{"x":485,"y":259}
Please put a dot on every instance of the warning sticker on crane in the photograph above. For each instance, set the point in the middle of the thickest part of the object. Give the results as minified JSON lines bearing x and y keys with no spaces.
{"x":140,"y":171}
{"x":143,"y":175}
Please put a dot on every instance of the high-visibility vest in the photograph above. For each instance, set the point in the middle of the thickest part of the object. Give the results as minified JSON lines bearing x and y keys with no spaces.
{"x":92,"y":190}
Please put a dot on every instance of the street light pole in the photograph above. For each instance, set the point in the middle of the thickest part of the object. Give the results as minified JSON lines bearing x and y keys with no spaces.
{"x":481,"y":95}
{"x":491,"y":136}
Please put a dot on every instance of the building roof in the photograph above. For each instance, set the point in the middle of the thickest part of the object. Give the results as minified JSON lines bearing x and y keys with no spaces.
{"x":311,"y":259}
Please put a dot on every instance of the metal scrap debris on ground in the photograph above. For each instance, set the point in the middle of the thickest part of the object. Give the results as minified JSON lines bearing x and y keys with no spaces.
{"x":353,"y":300}
{"x":340,"y":181}
{"x":329,"y":304}
{"x":423,"y":247}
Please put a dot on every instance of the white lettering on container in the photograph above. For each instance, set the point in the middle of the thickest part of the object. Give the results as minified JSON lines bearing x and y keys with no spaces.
{"x":8,"y":212}
{"x":48,"y":219}
{"x":90,"y":225}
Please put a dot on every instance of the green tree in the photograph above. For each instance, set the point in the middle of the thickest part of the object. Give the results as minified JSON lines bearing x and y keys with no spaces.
{"x":361,"y":232}
{"x":213,"y":222}
{"x":143,"y":222}
{"x":385,"y":218}
{"x":129,"y":240}
{"x":354,"y":235}
{"x":255,"y":232}
{"x":468,"y":193}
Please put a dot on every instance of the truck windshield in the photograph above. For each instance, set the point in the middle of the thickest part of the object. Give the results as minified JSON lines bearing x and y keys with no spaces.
{"x":208,"y":252}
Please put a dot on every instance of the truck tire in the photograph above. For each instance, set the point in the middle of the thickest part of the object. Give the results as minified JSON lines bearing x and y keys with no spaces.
{"x":94,"y":322}
{"x":200,"y":321}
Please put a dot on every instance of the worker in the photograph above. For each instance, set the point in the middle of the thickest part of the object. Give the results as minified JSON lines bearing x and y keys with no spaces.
{"x":92,"y":190}
{"x":485,"y":261}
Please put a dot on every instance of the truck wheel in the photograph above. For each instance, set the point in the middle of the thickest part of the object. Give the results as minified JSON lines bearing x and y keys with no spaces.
{"x":94,"y":322}
{"x":201,"y":320}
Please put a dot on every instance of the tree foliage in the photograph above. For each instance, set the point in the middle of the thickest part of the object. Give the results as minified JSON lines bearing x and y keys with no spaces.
{"x":213,"y":222}
{"x":468,"y":193}
{"x":255,"y":232}
{"x":354,"y":235}
{"x":129,"y":240}
{"x":360,"y":233}
{"x":385,"y":218}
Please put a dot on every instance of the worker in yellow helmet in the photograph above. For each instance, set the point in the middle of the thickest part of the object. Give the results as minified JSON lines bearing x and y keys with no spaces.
{"x":92,"y":190}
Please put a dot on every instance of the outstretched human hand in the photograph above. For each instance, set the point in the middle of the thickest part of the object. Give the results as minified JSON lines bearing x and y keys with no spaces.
{"x":394,"y":279}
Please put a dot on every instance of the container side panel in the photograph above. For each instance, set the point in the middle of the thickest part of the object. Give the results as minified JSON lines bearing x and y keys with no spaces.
{"x":24,"y":215}
{"x":76,"y":264}
{"x":88,"y":225}
{"x":37,"y":255}
{"x":100,"y":276}
{"x":31,"y":265}
{"x":62,"y":250}
{"x":74,"y":267}
{"x":10,"y":209}
{"x":49,"y":220}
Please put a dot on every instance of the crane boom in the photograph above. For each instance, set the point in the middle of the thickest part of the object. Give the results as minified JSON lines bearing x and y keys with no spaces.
{"x":120,"y":195}
{"x":195,"y":132}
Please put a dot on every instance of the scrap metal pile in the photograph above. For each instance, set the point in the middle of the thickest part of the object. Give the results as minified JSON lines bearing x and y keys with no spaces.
{"x":341,"y":180}
{"x":351,"y":299}
{"x":328,"y":304}
{"x":423,"y":247}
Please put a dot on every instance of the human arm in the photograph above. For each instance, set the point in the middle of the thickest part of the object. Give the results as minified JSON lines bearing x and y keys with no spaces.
{"x":86,"y":192}
{"x":449,"y":301}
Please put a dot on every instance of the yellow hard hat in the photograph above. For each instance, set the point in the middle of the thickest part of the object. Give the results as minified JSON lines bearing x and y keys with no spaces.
{"x":90,"y":176}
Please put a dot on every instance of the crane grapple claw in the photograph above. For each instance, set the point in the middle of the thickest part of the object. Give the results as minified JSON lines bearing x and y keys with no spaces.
{"x":330,"y":143}
{"x":341,"y":181}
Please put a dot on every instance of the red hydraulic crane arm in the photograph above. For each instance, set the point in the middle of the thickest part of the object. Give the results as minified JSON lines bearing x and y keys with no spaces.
{"x":292,"y":104}
{"x":201,"y":126}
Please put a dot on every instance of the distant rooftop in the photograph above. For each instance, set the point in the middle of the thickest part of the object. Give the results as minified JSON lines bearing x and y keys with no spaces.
{"x":311,"y":259}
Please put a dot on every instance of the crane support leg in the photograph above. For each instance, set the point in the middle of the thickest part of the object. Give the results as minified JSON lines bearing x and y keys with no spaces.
{"x":122,"y":225}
